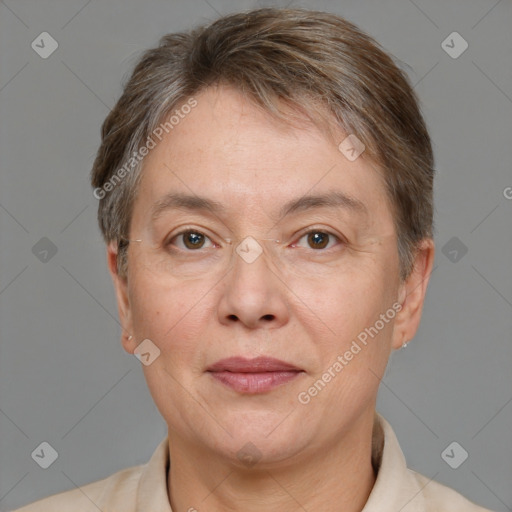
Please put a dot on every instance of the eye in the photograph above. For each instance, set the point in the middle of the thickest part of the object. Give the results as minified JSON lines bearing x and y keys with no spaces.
{"x":317,"y":239}
{"x":190,"y":240}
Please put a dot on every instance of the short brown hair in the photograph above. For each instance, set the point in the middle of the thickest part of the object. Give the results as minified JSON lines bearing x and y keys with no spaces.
{"x":274,"y":56}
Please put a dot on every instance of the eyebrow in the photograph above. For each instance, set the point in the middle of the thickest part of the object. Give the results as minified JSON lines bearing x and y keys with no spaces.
{"x":334,"y":199}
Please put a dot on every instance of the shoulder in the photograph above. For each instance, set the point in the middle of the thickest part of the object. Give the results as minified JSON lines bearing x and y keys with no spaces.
{"x":142,"y":487}
{"x":401,"y":488}
{"x":439,"y":498}
{"x":118,"y":489}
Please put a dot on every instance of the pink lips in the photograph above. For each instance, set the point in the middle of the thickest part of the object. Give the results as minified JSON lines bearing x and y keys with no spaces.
{"x":253,"y":375}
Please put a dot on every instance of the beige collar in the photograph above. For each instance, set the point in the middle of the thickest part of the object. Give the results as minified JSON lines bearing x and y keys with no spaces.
{"x":395,"y":489}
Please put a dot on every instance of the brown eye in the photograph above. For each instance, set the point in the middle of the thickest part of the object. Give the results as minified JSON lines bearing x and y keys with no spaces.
{"x":190,"y":240}
{"x":193,"y":240}
{"x":318,"y":239}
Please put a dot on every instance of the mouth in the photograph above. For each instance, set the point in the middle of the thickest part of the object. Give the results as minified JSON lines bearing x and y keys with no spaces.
{"x":253,"y":376}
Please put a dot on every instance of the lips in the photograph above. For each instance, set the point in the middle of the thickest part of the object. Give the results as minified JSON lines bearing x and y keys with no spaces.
{"x":251,"y":376}
{"x":256,"y":365}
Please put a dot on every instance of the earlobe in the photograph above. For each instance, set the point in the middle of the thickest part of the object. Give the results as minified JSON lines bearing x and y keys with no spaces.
{"x":129,"y":343}
{"x":123,"y":303}
{"x":412,"y":295}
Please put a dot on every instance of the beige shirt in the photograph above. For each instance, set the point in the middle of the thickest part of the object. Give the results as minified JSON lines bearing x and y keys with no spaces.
{"x":144,"y":488}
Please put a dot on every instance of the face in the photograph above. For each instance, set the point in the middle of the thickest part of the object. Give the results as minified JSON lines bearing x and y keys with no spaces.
{"x":263,"y":341}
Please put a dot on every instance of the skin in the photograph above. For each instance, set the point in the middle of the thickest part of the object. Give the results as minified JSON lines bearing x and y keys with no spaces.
{"x":315,"y":455}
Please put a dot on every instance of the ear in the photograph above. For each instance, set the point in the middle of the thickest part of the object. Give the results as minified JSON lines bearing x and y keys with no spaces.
{"x":123,"y":301}
{"x":412,"y":295}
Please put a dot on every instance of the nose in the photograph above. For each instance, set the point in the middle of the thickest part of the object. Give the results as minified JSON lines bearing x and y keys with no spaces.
{"x":253,"y":293}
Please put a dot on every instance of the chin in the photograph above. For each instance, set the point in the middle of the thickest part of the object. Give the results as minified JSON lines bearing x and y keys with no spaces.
{"x":263,"y":453}
{"x":261,"y":439}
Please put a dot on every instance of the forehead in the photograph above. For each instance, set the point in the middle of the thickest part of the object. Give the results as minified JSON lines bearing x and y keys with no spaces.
{"x":239,"y":158}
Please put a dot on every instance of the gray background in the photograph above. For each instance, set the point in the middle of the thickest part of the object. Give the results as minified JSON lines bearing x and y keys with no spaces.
{"x":64,"y":377}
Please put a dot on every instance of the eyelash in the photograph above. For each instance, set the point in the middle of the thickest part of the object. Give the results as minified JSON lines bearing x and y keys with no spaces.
{"x":196,"y":231}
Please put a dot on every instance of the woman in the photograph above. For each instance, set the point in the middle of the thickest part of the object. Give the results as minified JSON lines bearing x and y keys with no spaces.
{"x":265,"y":194}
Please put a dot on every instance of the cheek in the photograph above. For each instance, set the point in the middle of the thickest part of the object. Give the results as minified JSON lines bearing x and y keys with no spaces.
{"x":345,"y":302}
{"x":354,"y":353}
{"x":342,"y":322}
{"x":170,"y":315}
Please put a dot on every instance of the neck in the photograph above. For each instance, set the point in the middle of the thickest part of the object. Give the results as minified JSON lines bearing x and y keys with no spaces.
{"x":339,"y":478}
